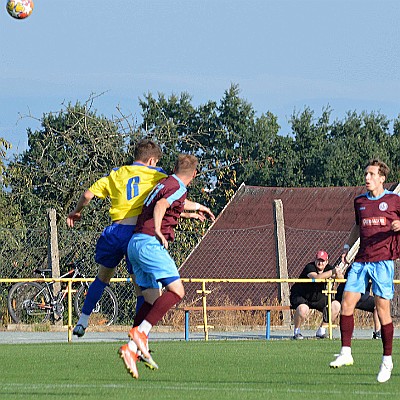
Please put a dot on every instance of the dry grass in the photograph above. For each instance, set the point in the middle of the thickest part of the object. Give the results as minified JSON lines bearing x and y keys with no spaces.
{"x":223,"y":320}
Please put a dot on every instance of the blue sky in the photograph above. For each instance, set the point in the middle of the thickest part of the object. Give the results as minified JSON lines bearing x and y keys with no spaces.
{"x":284,"y":55}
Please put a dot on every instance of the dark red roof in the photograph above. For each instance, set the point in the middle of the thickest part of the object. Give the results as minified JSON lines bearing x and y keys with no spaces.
{"x":241,"y":243}
{"x":328,"y":208}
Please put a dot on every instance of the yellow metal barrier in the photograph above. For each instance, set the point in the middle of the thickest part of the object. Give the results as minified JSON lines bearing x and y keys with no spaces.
{"x":69,"y":282}
{"x":329,"y":292}
{"x":203,"y":291}
{"x":69,"y":311}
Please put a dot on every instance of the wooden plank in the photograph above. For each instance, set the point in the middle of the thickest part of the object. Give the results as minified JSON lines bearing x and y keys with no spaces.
{"x":236,"y":308}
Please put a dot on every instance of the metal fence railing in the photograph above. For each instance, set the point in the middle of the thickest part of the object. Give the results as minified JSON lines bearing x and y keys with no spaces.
{"x":70,"y":318}
{"x":222,"y":255}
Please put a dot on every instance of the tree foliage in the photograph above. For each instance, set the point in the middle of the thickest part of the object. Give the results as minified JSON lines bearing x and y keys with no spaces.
{"x":72,"y":149}
{"x":75,"y":146}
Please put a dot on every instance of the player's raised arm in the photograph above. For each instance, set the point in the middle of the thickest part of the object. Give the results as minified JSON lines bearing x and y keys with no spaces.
{"x":75,"y":214}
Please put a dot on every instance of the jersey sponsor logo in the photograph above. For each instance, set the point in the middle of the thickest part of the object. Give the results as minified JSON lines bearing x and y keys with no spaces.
{"x":383,"y":206}
{"x":374,"y":221}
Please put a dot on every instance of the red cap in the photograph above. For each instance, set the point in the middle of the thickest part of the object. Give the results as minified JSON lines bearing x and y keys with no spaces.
{"x":321,"y":255}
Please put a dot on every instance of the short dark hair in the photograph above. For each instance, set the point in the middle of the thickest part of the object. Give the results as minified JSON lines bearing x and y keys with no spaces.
{"x":186,"y":164}
{"x":145,"y":149}
{"x":383,"y":168}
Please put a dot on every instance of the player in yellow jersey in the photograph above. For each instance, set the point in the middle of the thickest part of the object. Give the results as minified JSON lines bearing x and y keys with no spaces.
{"x":127,"y":187}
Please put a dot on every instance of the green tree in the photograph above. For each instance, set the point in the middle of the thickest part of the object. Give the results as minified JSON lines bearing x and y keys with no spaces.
{"x":8,"y":210}
{"x":72,"y":149}
{"x":75,"y":147}
{"x":233,"y":145}
{"x":311,"y":141}
{"x":355,"y":140}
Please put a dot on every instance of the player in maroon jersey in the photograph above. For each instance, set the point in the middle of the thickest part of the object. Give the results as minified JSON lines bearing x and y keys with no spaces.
{"x":148,"y":254}
{"x":377,"y":216}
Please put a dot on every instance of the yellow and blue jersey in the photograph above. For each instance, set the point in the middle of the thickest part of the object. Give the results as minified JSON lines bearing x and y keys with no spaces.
{"x":127,"y":187}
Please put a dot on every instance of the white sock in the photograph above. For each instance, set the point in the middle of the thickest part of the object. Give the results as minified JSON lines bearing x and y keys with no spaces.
{"x":145,"y":327}
{"x":132,"y":346}
{"x":296,"y":331}
{"x":321,"y":330}
{"x":83,"y":320}
{"x":345,"y":350}
{"x":387,"y":360}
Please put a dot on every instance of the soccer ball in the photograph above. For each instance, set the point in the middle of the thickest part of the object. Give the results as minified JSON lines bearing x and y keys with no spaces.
{"x":20,"y":9}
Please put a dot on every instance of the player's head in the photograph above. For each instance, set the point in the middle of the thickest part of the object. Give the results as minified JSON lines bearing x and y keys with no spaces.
{"x":147,"y":152}
{"x":383,"y":169}
{"x":375,"y":175}
{"x":186,"y":165}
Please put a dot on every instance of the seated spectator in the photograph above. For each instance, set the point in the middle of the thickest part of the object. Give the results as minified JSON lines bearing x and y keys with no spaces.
{"x":307,"y":296}
{"x":366,"y":303}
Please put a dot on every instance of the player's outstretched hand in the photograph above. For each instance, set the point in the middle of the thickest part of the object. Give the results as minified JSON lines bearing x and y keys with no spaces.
{"x":206,"y":212}
{"x":72,"y":217}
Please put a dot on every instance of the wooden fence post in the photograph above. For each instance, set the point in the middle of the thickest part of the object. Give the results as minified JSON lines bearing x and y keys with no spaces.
{"x":281,"y":259}
{"x":52,"y":251}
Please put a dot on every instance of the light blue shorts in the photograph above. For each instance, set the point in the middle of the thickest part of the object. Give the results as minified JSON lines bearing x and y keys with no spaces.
{"x":381,"y":274}
{"x":151,"y":262}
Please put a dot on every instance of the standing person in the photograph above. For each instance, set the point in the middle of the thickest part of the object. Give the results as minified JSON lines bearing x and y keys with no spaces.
{"x":306,"y":296}
{"x":377,"y":217}
{"x":366,"y":303}
{"x":148,"y":253}
{"x":127,"y":187}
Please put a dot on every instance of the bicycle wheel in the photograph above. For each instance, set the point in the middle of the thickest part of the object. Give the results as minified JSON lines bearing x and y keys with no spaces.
{"x":106,"y":310}
{"x":28,"y":302}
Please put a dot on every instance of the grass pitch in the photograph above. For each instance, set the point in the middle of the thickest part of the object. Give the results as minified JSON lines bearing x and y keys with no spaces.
{"x":198,"y":370}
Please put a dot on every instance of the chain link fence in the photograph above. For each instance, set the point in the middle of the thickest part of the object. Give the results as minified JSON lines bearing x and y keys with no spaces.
{"x":252,"y":253}
{"x":24,"y":251}
{"x":245,"y":253}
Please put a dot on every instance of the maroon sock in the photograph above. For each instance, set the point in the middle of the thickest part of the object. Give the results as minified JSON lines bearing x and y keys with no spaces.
{"x":346,"y":329}
{"x":387,"y":332}
{"x":141,"y":314}
{"x":160,"y":307}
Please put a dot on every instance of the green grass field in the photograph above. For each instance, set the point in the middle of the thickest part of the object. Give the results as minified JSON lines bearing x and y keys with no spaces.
{"x":250,"y":369}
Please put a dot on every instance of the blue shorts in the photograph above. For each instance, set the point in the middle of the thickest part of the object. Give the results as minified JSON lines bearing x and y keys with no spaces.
{"x":151,"y":262}
{"x":381,"y":274}
{"x":112,"y":246}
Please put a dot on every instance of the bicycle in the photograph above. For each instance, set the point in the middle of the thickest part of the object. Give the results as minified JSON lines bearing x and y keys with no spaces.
{"x":34,"y":302}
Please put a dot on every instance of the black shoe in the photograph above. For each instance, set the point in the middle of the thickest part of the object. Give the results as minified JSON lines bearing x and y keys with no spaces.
{"x":321,"y":336}
{"x":298,"y":336}
{"x":376,"y":335}
{"x":79,"y":330}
